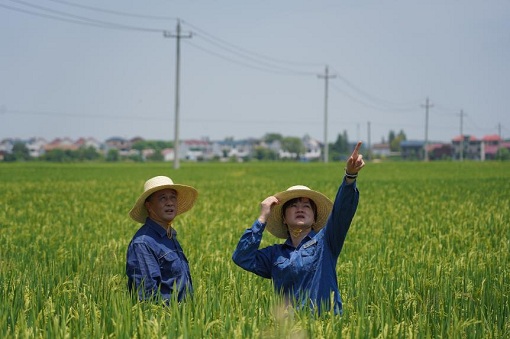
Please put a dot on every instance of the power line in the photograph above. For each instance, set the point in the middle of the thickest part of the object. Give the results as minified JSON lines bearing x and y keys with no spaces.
{"x":236,"y":50}
{"x":280,"y":70}
{"x":248,"y":58}
{"x":232,"y":49}
{"x":75,"y":19}
{"x":373,"y":106}
{"x":107,"y":11}
{"x":82,"y":20}
{"x":276,"y":68}
{"x":247,"y":53}
{"x":69,"y":115}
{"x":203,"y":34}
{"x":227,"y":51}
{"x":5,"y":111}
{"x":475,"y":126}
{"x":373,"y":98}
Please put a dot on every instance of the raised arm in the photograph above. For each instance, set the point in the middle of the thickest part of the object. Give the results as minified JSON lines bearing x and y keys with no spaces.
{"x":247,"y":254}
{"x":346,"y":203}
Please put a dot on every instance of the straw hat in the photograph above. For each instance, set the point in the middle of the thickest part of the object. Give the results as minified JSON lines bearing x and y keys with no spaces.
{"x":275,"y":220}
{"x":186,"y":196}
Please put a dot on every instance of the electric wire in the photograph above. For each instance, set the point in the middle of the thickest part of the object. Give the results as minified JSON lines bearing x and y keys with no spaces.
{"x":244,"y":52}
{"x":247,"y":58}
{"x":200,"y":33}
{"x":107,"y":11}
{"x":264,"y":67}
{"x":370,"y":105}
{"x":76,"y":19}
{"x":165,"y":117}
{"x":394,"y":106}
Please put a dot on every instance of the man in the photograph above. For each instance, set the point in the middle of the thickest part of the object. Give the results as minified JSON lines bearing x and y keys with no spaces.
{"x":156,"y":265}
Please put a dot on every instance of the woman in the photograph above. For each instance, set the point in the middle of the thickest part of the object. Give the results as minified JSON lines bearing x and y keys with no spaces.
{"x":303,"y":268}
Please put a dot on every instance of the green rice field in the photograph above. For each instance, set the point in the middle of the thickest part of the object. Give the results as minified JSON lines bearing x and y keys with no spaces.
{"x":427,"y":255}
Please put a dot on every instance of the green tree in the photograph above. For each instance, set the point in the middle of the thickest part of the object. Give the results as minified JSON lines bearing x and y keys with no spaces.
{"x":135,"y":157}
{"x":156,"y":156}
{"x":262,"y":153}
{"x":59,"y":155}
{"x":503,"y":154}
{"x":139,"y":145}
{"x":391,"y":136}
{"x":88,"y":153}
{"x":113,"y":155}
{"x":270,"y":137}
{"x":20,"y":151}
{"x":54,"y":155}
{"x":395,"y":140}
{"x":156,"y":145}
{"x":340,"y":147}
{"x":293,"y":145}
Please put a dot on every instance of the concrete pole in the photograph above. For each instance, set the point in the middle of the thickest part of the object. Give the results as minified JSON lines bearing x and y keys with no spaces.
{"x":178,"y":37}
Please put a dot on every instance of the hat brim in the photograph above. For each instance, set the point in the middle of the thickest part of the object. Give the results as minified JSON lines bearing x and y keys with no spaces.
{"x":186,"y":196}
{"x":275,"y":224}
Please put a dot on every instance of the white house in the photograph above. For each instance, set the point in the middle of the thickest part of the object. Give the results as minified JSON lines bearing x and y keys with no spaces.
{"x":36,"y":147}
{"x":313,"y":148}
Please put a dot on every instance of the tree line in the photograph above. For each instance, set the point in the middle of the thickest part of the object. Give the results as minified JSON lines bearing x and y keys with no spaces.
{"x":337,"y":150}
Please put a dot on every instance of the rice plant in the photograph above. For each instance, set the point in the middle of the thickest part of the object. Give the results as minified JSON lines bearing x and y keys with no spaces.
{"x":427,"y":254}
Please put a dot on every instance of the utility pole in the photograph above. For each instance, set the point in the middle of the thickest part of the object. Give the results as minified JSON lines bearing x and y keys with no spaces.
{"x":461,"y":135}
{"x":499,"y":141}
{"x":369,"y":153}
{"x":178,"y":37}
{"x":427,"y":106}
{"x":326,"y":78}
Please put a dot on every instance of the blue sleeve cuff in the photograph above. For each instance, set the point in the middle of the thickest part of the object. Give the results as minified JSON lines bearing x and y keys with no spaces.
{"x":258,"y":227}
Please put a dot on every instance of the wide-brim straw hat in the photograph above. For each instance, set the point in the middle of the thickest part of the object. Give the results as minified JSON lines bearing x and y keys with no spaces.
{"x":275,"y":220}
{"x":186,"y":196}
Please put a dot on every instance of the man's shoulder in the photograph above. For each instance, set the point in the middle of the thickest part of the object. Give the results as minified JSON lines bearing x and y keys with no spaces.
{"x":145,"y":234}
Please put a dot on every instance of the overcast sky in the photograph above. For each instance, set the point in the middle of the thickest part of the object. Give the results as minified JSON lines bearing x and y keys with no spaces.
{"x":104,"y":68}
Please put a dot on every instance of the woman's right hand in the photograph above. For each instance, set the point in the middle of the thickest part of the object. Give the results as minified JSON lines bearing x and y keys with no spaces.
{"x":265,"y":208}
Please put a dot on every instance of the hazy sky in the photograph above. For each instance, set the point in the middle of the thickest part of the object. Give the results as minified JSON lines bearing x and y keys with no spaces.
{"x":104,"y":68}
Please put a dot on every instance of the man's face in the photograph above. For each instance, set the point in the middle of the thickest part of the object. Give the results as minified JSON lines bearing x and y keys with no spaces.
{"x":162,"y":206}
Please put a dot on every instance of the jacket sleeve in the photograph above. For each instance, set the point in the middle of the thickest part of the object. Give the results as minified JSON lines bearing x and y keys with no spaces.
{"x":344,"y":208}
{"x":247,"y":254}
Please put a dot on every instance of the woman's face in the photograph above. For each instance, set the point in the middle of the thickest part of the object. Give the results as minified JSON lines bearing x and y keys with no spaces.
{"x":299,"y":212}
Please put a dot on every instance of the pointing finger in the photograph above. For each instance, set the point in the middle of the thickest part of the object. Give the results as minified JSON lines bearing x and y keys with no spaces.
{"x":356,"y":150}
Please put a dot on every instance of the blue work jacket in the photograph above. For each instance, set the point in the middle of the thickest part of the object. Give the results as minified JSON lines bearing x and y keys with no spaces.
{"x":306,"y":275}
{"x":156,"y":265}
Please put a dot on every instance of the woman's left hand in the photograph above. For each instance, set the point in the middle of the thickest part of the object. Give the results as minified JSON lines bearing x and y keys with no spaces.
{"x":355,"y":162}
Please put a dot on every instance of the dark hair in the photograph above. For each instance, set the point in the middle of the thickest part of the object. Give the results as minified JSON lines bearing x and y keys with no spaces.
{"x":291,"y":201}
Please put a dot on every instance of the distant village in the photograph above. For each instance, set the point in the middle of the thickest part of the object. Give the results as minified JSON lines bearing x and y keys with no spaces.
{"x":465,"y":147}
